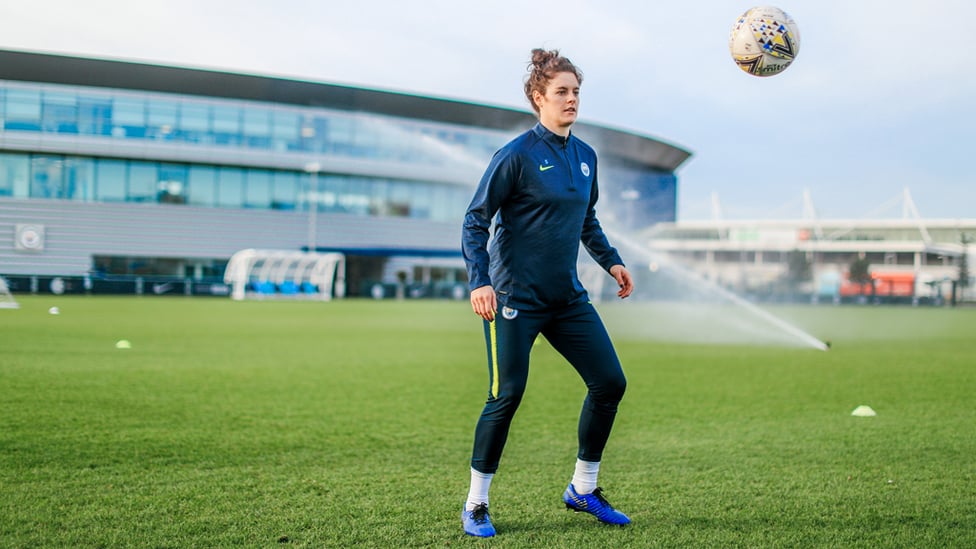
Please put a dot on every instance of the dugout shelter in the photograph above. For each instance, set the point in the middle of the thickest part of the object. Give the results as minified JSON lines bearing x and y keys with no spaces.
{"x":285,"y":273}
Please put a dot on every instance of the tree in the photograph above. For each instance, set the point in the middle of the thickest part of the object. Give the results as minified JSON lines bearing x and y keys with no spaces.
{"x":860,"y":272}
{"x":963,"y":282}
{"x":798,"y":270}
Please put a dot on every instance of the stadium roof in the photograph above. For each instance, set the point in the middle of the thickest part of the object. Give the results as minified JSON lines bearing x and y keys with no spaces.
{"x":78,"y":71}
{"x":942,"y":236}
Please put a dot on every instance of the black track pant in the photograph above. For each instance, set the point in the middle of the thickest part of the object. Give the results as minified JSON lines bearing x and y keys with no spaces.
{"x":579,"y":335}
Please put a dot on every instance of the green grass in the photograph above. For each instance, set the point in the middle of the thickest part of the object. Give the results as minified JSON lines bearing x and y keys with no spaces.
{"x":349,"y":424}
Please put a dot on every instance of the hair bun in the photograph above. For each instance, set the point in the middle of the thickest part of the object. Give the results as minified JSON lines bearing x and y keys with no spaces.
{"x":541,"y":57}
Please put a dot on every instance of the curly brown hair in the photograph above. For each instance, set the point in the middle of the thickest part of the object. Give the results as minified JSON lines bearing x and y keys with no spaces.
{"x":545,"y":65}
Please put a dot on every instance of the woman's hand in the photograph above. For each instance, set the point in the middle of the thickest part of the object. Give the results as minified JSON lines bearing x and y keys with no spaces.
{"x":624,"y":281}
{"x":483,"y":302}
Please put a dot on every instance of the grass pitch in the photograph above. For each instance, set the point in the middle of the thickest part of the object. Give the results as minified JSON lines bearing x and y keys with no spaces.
{"x":349,"y":424}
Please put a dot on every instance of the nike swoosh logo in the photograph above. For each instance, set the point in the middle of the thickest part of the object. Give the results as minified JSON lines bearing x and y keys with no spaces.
{"x":544,"y":168}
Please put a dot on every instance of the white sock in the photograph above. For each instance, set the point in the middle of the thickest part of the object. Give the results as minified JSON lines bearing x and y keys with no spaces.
{"x":478,"y":494}
{"x":584,"y":479}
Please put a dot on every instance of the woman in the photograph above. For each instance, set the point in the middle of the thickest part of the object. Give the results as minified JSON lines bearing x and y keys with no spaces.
{"x":543,"y":187}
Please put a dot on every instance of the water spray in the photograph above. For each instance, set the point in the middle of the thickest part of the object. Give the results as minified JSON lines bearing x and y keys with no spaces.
{"x":657,"y":261}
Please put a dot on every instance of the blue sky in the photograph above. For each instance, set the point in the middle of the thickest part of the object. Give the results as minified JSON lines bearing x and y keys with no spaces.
{"x":882,"y":96}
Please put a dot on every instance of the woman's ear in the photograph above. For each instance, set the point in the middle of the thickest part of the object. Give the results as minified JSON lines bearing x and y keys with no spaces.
{"x":537,"y":98}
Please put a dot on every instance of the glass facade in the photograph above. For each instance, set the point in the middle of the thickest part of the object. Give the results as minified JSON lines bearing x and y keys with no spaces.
{"x":76,"y":110}
{"x":637,"y":196}
{"x":106,"y":115}
{"x":24,"y":175}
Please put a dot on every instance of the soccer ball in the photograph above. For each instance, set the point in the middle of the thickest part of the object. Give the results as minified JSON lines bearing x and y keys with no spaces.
{"x":764,"y":41}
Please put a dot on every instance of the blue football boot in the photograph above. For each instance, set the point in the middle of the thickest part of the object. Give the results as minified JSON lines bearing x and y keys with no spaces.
{"x":478,"y":522}
{"x":594,"y":504}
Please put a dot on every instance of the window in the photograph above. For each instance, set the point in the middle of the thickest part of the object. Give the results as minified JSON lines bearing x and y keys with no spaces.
{"x":79,"y":179}
{"x":314,"y":134}
{"x":202,"y":186}
{"x":285,"y":191}
{"x":369,"y":138}
{"x":129,"y":117}
{"x":129,"y":112}
{"x":143,"y":178}
{"x":110,"y":182}
{"x":194,"y":125}
{"x":258,"y":189}
{"x":23,"y":110}
{"x":284,"y":131}
{"x":257,"y":122}
{"x":354,"y":196}
{"x":13,"y":175}
{"x":442,"y":207}
{"x":95,"y":115}
{"x":421,"y":196}
{"x":60,"y":113}
{"x":230,"y":188}
{"x":257,"y":128}
{"x":46,"y":177}
{"x":227,"y":125}
{"x":330,"y":188}
{"x":379,"y":199}
{"x":171,"y":188}
{"x":400,"y":199}
{"x":341,"y":132}
{"x":162,"y":119}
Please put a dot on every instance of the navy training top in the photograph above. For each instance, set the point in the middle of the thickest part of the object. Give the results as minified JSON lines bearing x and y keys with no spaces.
{"x":544,"y":189}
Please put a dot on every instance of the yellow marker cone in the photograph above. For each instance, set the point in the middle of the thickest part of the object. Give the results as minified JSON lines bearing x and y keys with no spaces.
{"x":863,"y":411}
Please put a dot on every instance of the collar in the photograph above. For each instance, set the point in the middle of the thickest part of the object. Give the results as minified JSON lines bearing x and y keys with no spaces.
{"x":555,"y":139}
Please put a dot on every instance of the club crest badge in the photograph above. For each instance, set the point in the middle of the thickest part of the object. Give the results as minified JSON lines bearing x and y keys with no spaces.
{"x":509,"y":313}
{"x":585,"y":168}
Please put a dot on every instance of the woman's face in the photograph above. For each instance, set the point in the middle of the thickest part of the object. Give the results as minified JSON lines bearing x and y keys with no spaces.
{"x":559,"y":106}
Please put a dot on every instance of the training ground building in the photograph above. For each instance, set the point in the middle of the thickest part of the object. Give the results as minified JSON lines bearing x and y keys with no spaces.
{"x":122,"y":177}
{"x":907,"y":259}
